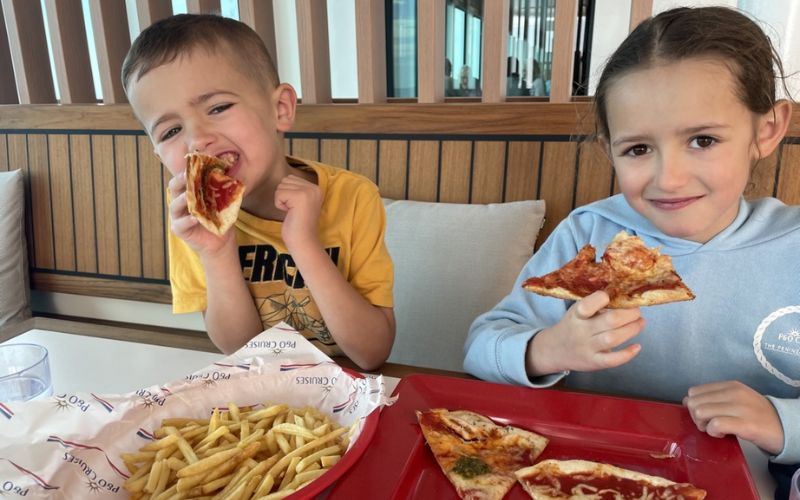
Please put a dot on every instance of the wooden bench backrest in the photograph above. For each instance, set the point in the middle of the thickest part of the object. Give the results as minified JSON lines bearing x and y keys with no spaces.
{"x":96,"y":216}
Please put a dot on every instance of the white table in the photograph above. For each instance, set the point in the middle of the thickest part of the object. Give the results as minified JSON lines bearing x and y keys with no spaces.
{"x":92,"y":364}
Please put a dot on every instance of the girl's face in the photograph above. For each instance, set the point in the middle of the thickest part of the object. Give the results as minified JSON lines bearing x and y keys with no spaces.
{"x":682,"y":144}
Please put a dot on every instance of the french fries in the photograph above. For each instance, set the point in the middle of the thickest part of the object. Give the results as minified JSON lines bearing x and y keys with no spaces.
{"x":238,"y":454}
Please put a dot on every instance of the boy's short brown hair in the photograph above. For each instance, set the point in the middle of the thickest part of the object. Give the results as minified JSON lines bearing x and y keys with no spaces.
{"x":167,"y":39}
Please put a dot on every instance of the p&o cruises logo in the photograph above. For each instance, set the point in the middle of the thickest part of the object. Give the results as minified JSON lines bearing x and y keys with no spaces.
{"x":777,"y":344}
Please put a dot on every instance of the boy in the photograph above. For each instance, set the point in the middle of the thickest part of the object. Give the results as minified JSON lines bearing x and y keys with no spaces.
{"x":309,"y":237}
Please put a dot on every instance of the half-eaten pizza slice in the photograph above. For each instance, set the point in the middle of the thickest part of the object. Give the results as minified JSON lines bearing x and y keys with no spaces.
{"x":478,"y":456}
{"x":631,"y":273}
{"x":213,"y":197}
{"x":584,"y":480}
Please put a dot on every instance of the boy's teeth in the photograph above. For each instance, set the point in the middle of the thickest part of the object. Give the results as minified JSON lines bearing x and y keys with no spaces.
{"x":229,"y":158}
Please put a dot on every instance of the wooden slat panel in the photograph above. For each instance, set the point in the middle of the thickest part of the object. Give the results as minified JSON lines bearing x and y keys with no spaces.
{"x":522,"y":171}
{"x":203,"y":7}
{"x":116,"y":289}
{"x":640,"y":10}
{"x":392,"y":168}
{"x":105,"y":188}
{"x":563,"y":47}
{"x":152,"y":195}
{"x":4,"y":153}
{"x":111,"y":41}
{"x":455,"y":171}
{"x":8,"y":86}
{"x":364,"y":158}
{"x":487,"y":172}
{"x":70,"y":51}
{"x":306,"y":148}
{"x":334,"y":152}
{"x":430,"y":50}
{"x":28,"y":46}
{"x":789,"y":180}
{"x":61,"y":193}
{"x":558,"y":179}
{"x":83,"y":197}
{"x":18,"y":159}
{"x":130,"y":235}
{"x":41,"y":202}
{"x":762,"y":178}
{"x":371,"y":50}
{"x":594,"y":174}
{"x":259,"y":15}
{"x":495,"y":50}
{"x":150,"y":11}
{"x":315,"y":60}
{"x":422,"y":172}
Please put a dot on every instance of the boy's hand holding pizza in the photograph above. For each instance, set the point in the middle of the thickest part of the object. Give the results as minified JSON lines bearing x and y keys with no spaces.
{"x":585,"y":338}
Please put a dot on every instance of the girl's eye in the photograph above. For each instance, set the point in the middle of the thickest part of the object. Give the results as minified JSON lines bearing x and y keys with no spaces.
{"x":219,"y":109}
{"x":169,"y":133}
{"x":702,"y":142}
{"x":637,"y":150}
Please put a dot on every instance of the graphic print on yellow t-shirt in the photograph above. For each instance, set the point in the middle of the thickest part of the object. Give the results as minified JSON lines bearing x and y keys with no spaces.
{"x":280,"y":293}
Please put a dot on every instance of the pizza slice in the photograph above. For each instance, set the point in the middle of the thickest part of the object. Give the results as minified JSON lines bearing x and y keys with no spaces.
{"x":213,"y":197}
{"x":632,"y":274}
{"x":584,"y":480}
{"x":478,"y":456}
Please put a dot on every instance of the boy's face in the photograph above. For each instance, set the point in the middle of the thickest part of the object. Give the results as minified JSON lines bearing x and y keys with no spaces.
{"x":682,"y":144}
{"x":201,"y":102}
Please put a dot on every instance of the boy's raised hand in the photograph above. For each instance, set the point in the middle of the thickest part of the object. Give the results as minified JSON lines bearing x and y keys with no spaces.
{"x":730,"y":407}
{"x":186,"y":227}
{"x":585,"y":338}
{"x":302,"y":202}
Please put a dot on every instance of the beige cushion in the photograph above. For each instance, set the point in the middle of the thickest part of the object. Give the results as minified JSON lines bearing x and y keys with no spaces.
{"x":452,"y":262}
{"x":14,"y":287}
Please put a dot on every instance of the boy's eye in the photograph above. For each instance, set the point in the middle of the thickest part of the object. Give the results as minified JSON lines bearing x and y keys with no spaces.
{"x":220,"y":108}
{"x":169,"y":133}
{"x":702,"y":142}
{"x":637,"y":150}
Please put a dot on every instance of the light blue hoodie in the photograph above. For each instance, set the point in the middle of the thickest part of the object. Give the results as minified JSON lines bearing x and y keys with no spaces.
{"x":744,"y":324}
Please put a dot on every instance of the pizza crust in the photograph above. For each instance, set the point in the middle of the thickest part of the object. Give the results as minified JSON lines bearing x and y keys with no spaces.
{"x":198,"y":168}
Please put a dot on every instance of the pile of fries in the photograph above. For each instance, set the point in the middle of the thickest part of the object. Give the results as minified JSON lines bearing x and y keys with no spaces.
{"x":242,"y":453}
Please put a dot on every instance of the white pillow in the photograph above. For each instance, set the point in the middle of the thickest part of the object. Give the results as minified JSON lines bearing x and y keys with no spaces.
{"x":452,"y":262}
{"x":14,"y":287}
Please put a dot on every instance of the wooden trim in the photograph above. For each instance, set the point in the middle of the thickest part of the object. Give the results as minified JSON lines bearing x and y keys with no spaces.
{"x":203,"y":7}
{"x":526,"y":118}
{"x":28,"y":46}
{"x":260,"y":15}
{"x":112,"y":41}
{"x":315,"y":60}
{"x":563,"y":50}
{"x":495,"y":50}
{"x":371,"y":49}
{"x":430,"y":50}
{"x":150,"y":11}
{"x":70,"y":51}
{"x":8,"y":86}
{"x":640,"y":10}
{"x":102,"y":287}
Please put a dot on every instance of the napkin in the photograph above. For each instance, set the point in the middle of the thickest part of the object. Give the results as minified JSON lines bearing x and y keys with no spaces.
{"x":69,"y":445}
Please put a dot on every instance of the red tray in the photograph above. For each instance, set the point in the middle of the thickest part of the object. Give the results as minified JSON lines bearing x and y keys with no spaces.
{"x":623,"y":432}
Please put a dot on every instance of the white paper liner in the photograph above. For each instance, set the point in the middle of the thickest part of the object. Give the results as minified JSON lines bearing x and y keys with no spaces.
{"x":69,"y":445}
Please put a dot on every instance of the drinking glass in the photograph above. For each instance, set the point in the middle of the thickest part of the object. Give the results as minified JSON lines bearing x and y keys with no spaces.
{"x":24,"y":372}
{"x":794,"y":487}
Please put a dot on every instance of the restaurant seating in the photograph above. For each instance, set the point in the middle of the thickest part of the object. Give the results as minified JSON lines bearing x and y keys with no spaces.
{"x":14,"y":290}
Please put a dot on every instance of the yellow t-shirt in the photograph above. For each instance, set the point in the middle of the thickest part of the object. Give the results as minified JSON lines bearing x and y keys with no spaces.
{"x":352,"y":223}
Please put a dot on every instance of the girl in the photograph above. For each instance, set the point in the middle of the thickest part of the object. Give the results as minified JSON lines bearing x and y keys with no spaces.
{"x":685,"y":108}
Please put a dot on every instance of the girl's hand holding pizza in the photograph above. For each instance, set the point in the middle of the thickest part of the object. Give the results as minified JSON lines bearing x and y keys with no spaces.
{"x":731,"y":407}
{"x":585,"y":338}
{"x":186,"y":227}
{"x":302,"y":202}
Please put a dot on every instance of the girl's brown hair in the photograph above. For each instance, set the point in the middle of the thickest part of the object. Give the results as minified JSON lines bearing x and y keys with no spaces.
{"x":175,"y":36}
{"x":682,"y":33}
